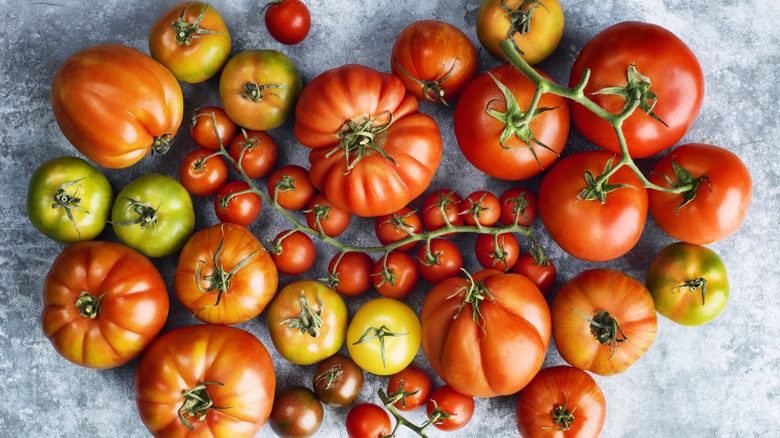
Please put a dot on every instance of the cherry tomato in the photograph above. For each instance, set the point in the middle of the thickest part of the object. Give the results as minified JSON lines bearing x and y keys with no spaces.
{"x":439,"y":260}
{"x":202,"y":172}
{"x":323,"y":216}
{"x":455,"y":409}
{"x":211,"y":128}
{"x":255,"y":152}
{"x":497,"y":251}
{"x":442,"y":207}
{"x":518,"y":206}
{"x":395,"y":275}
{"x":481,"y":207}
{"x":288,"y":21}
{"x":413,"y":385}
{"x":367,"y":420}
{"x":397,"y":226}
{"x":237,"y":204}
{"x":296,"y":412}
{"x":293,"y":252}
{"x":337,"y":381}
{"x":539,"y":269}
{"x":291,"y":187}
{"x":349,"y":273}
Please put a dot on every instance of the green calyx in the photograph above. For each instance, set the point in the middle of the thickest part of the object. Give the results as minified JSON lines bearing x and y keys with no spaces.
{"x":146,"y":214}
{"x":686,"y":183}
{"x":374,"y":333}
{"x":219,"y":279}
{"x":89,"y":306}
{"x":69,"y":201}
{"x":197,"y":402}
{"x":598,"y":188}
{"x":362,"y":136}
{"x":308,"y":321}
{"x":186,"y":31}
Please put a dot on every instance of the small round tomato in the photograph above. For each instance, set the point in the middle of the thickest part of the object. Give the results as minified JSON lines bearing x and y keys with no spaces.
{"x":435,"y":60}
{"x":717,"y":202}
{"x":367,"y":420}
{"x":452,"y":409}
{"x":535,"y":26}
{"x":350,"y":273}
{"x":237,"y":203}
{"x":561,"y":401}
{"x":337,"y":381}
{"x":191,"y":40}
{"x":323,"y":216}
{"x":538,"y":268}
{"x":296,"y":412}
{"x":499,"y":251}
{"x":438,"y":260}
{"x":307,"y":322}
{"x":103,"y":304}
{"x":290,"y":187}
{"x":255,"y":152}
{"x":442,"y":207}
{"x":69,"y":200}
{"x":288,"y":21}
{"x":412,"y":386}
{"x":688,"y":283}
{"x":397,"y":226}
{"x":203,"y":172}
{"x":153,"y":215}
{"x":384,"y":336}
{"x":395,"y":275}
{"x":293,"y":252}
{"x":259,"y":88}
{"x":211,"y":128}
{"x":519,"y":206}
{"x":481,"y":207}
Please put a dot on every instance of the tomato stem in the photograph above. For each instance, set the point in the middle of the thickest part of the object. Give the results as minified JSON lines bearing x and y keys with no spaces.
{"x":380,"y":333}
{"x":309,"y":320}
{"x":605,"y":329}
{"x":197,"y":402}
{"x":400,"y":420}
{"x":68,"y":201}
{"x":89,"y":306}
{"x":186,"y":31}
{"x":693,"y":285}
{"x":329,"y":376}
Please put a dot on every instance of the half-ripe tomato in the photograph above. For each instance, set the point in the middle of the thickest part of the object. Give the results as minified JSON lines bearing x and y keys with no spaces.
{"x":411,"y":387}
{"x":255,"y":152}
{"x":395,"y":275}
{"x":350,"y":273}
{"x":203,"y":172}
{"x":224,"y":275}
{"x":290,"y":187}
{"x":535,"y":26}
{"x":396,"y":226}
{"x":237,"y":203}
{"x":655,"y":64}
{"x":581,"y":221}
{"x":717,"y":202}
{"x":337,"y":381}
{"x":116,"y":104}
{"x":452,"y":409}
{"x":519,"y":206}
{"x":307,"y":322}
{"x":561,"y":401}
{"x":603,"y":321}
{"x":486,"y":336}
{"x":323,"y":216}
{"x":205,"y":380}
{"x":373,"y":152}
{"x":688,"y":283}
{"x":293,"y":252}
{"x":496,"y":132}
{"x":211,"y":128}
{"x":288,"y":21}
{"x":439,"y":259}
{"x":191,"y":40}
{"x":297,"y":412}
{"x":69,"y":200}
{"x":538,"y":268}
{"x":481,"y":207}
{"x":103,"y":304}
{"x":367,"y":420}
{"x":435,"y":60}
{"x":259,"y":88}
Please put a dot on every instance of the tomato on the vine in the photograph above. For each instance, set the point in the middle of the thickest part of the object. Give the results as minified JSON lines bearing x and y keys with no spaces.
{"x":323,"y":216}
{"x":350,"y":273}
{"x":455,"y":409}
{"x":337,"y":381}
{"x":288,"y":21}
{"x":293,"y":252}
{"x":499,"y":251}
{"x":438,"y":260}
{"x":367,"y":420}
{"x":203,"y":172}
{"x":255,"y":152}
{"x":481,"y":207}
{"x":538,"y":268}
{"x":291,"y":187}
{"x":442,"y":207}
{"x":395,"y":275}
{"x":412,"y":385}
{"x":296,"y":412}
{"x":236,"y":203}
{"x":211,"y":128}
{"x":393,"y":227}
{"x":519,"y":206}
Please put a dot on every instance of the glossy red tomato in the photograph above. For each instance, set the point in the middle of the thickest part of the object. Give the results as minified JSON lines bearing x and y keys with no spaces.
{"x":323,"y":216}
{"x":395,"y":275}
{"x":435,"y":60}
{"x":442,"y":207}
{"x":719,"y":201}
{"x":236,"y":203}
{"x":203,"y":172}
{"x":293,"y":252}
{"x":211,"y":128}
{"x":588,"y":228}
{"x":103,"y":304}
{"x":499,"y":251}
{"x":519,"y":205}
{"x":412,"y":386}
{"x":288,"y":21}
{"x":495,"y":134}
{"x":456,"y":409}
{"x":367,"y":420}
{"x":438,"y":260}
{"x":255,"y":152}
{"x":539,"y":269}
{"x":661,"y":60}
{"x":393,"y":227}
{"x":350,"y":273}
{"x":481,"y":207}
{"x":291,"y":187}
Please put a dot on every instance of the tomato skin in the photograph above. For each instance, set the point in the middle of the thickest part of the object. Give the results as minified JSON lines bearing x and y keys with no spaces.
{"x":332,"y":222}
{"x":87,"y":195}
{"x":367,"y":420}
{"x":188,"y":356}
{"x":627,"y":301}
{"x":255,"y":152}
{"x":307,"y":344}
{"x":202,"y":173}
{"x":242,"y":208}
{"x":497,"y":355}
{"x":439,"y":260}
{"x":199,"y":57}
{"x":293,"y":252}
{"x":396,"y":226}
{"x":674,"y":280}
{"x":250,"y":287}
{"x":297,"y":412}
{"x":395,"y":275}
{"x":547,"y":23}
{"x":720,"y":205}
{"x":291,"y":187}
{"x":259,"y":88}
{"x":442,"y":207}
{"x":140,"y":103}
{"x":350,"y":273}
{"x":131,"y":309}
{"x":459,"y":406}
{"x":437,"y":53}
{"x":167,"y":219}
{"x":337,"y":381}
{"x":590,"y":230}
{"x":675,"y":75}
{"x":479,"y":133}
{"x":288,"y":21}
{"x":561,"y":387}
{"x":519,"y":205}
{"x":542,"y":274}
{"x":415,"y":383}
{"x":481,"y":207}
{"x":500,"y":252}
{"x":211,"y":128}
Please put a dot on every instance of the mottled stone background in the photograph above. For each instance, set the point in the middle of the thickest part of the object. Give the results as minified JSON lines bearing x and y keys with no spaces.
{"x":722,"y":379}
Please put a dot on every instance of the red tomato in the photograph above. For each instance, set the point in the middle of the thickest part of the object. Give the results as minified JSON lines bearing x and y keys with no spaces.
{"x":664,"y":62}
{"x":538,"y":269}
{"x":323,"y":216}
{"x":205,"y":380}
{"x":342,"y":108}
{"x":438,"y":260}
{"x":492,"y":132}
{"x":435,"y":60}
{"x":497,"y":251}
{"x":603,"y":321}
{"x":413,"y":387}
{"x":255,"y":152}
{"x":293,"y":252}
{"x":236,"y":203}
{"x":224,"y":275}
{"x":393,"y":227}
{"x":211,"y":128}
{"x":291,"y":187}
{"x":288,"y":21}
{"x":191,"y":40}
{"x":395,"y":275}
{"x":587,"y":228}
{"x":722,"y":194}
{"x":486,"y":336}
{"x":349,"y":273}
{"x":561,"y":401}
{"x":367,"y":420}
{"x":518,"y":206}
{"x":103,"y":304}
{"x":139,"y":108}
{"x":454,"y":409}
{"x":481,"y":207}
{"x":203,"y":172}
{"x":441,"y":208}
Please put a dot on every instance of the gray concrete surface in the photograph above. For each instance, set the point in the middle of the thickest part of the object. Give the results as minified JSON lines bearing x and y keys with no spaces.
{"x":722,"y":379}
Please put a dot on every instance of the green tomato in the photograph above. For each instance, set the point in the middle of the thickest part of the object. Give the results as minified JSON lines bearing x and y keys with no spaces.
{"x":688,"y":283}
{"x":69,"y":200}
{"x":153,"y":215}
